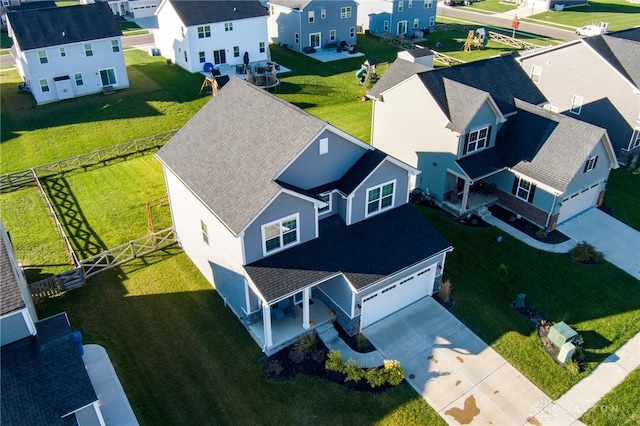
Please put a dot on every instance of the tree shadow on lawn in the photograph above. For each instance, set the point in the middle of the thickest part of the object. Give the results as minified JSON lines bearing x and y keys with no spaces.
{"x":184,"y":358}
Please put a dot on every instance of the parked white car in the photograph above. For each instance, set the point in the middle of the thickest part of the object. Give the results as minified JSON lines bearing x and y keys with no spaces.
{"x":591,"y":30}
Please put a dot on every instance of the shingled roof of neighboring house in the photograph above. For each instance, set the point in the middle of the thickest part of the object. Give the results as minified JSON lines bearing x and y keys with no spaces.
{"x":39,"y":28}
{"x":32,"y":5}
{"x":231,"y":167}
{"x":11,"y":299}
{"x":43,"y":377}
{"x":291,"y":4}
{"x":621,"y":50}
{"x":398,"y":72}
{"x":365,"y":253}
{"x":194,"y":12}
{"x":501,"y":77}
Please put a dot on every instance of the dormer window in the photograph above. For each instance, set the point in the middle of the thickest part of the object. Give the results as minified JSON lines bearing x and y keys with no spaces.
{"x":590,"y":164}
{"x":280,"y":234}
{"x":476,"y":140}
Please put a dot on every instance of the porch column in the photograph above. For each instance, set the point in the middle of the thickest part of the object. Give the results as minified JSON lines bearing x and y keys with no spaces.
{"x":266,"y":321}
{"x":306,"y":294}
{"x":465,"y":196}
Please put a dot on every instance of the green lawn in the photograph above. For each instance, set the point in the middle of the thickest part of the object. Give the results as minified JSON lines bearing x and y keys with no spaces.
{"x":623,"y":197}
{"x":183,"y":358}
{"x":620,"y":407}
{"x":496,"y":6}
{"x":5,"y":41}
{"x":618,"y":13}
{"x":558,"y":288}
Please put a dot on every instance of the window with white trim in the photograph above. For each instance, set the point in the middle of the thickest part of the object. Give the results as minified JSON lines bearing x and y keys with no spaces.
{"x":63,"y":52}
{"x":280,"y":234}
{"x":416,"y":23}
{"x":352,"y":32}
{"x":236,"y":51}
{"x":115,"y":46}
{"x":476,"y":140}
{"x":88,"y":49}
{"x":204,"y":31}
{"x":432,"y":21}
{"x":590,"y":164}
{"x":402,"y":27}
{"x":42,"y":54}
{"x":326,"y":197}
{"x":385,"y":26}
{"x":323,"y":13}
{"x":380,"y":198}
{"x":78,"y":78}
{"x":311,"y":16}
{"x":296,"y":38}
{"x":323,"y":146}
{"x":523,"y":189}
{"x":410,"y":4}
{"x":201,"y":57}
{"x":205,"y":232}
{"x":428,"y":4}
{"x":262,"y":47}
{"x":536,"y":73}
{"x":44,"y":85}
{"x":400,"y":6}
{"x":345,"y":12}
{"x":228,"y":26}
{"x":6,"y":3}
{"x":332,"y":35}
{"x":108,"y":77}
{"x":219,"y":57}
{"x":576,"y":104}
{"x":186,"y":58}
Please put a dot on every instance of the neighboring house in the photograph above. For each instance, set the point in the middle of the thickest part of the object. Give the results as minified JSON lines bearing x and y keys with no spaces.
{"x":294,"y":221}
{"x":195,"y":33}
{"x":133,"y":8}
{"x":304,"y":25}
{"x":66,"y":52}
{"x":479,"y":140}
{"x":597,"y":80}
{"x":398,"y":17}
{"x":43,"y":378}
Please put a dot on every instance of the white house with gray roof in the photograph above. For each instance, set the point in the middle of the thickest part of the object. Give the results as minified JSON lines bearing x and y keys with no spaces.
{"x":480,"y":140}
{"x":214,"y":33}
{"x":293,"y":221}
{"x":596,"y":80}
{"x":65,"y":52}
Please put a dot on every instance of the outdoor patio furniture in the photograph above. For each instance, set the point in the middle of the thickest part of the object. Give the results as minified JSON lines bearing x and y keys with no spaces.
{"x":287,"y":307}
{"x":277,"y":313}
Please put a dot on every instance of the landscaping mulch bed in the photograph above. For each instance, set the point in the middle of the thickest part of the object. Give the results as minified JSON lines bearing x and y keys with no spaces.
{"x":357,"y":342}
{"x":523,"y":225}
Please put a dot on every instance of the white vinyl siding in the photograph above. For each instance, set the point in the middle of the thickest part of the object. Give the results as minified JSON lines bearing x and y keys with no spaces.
{"x":536,"y":73}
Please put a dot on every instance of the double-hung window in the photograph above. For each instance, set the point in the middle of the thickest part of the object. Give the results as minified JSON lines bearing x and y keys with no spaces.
{"x":262,"y":47}
{"x":311,"y":16}
{"x":345,"y":12}
{"x":523,"y":189}
{"x":416,"y":23}
{"x":236,"y":51}
{"x":204,"y":31}
{"x":44,"y":85}
{"x":476,"y":140}
{"x":400,"y":6}
{"x":115,"y":46}
{"x":428,"y":4}
{"x":63,"y":52}
{"x":201,"y":57}
{"x":332,"y":35}
{"x":380,"y":198}
{"x":280,"y":234}
{"x":228,"y":26}
{"x":205,"y":232}
{"x":88,"y":49}
{"x":576,"y":104}
{"x":42,"y":54}
{"x":78,"y":78}
{"x":590,"y":164}
{"x":323,"y":13}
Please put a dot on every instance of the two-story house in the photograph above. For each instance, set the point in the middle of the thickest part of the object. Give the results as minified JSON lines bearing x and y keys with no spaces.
{"x":133,"y":8}
{"x":198,"y":35}
{"x":33,"y":390}
{"x":293,"y":221}
{"x":397,"y":17}
{"x":65,"y":52}
{"x":594,"y":79}
{"x":478,"y":140}
{"x":312,"y":24}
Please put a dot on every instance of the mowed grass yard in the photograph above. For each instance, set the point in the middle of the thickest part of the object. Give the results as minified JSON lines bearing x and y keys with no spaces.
{"x":618,"y":13}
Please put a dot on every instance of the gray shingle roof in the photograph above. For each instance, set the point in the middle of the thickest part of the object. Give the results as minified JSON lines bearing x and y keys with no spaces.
{"x":198,"y":12}
{"x":621,"y":50}
{"x":364,"y":252}
{"x":464,"y":102}
{"x":10,"y":297}
{"x":501,"y":77}
{"x":39,"y":28}
{"x":398,"y":72}
{"x":231,"y":150}
{"x":43,"y":377}
{"x":551,"y":148}
{"x":291,"y":4}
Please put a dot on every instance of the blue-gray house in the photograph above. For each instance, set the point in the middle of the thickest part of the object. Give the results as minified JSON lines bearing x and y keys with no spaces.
{"x":293,"y":221}
{"x":303,"y":25}
{"x":407,"y":18}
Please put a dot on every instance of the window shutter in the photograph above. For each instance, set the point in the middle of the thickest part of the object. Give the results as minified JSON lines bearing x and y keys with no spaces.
{"x":586,"y":166}
{"x":531,"y":192}
{"x":514,"y":190}
{"x":488,"y":136}
{"x":595,"y":161}
{"x":466,"y":144}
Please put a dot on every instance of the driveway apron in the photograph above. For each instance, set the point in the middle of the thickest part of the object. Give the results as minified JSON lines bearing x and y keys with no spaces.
{"x":459,"y":375}
{"x":619,"y":242}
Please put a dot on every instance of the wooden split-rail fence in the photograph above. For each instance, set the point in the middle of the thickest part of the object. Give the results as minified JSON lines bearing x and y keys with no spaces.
{"x":408,"y":45}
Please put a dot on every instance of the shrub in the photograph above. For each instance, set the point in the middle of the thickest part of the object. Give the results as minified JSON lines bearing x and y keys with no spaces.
{"x":275,"y":368}
{"x":586,"y":253}
{"x":335,"y":362}
{"x":354,"y":372}
{"x":393,"y":371}
{"x":362,"y":342}
{"x":573,"y":367}
{"x":444,"y":293}
{"x":542,"y":233}
{"x":376,"y":377}
{"x":307,"y":343}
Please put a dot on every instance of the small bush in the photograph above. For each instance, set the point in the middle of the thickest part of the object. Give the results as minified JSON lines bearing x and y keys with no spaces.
{"x":335,"y":362}
{"x":393,"y":371}
{"x":444,"y":293}
{"x":573,"y":367}
{"x":541,"y":233}
{"x":307,"y":343}
{"x":355,"y":373}
{"x":275,"y":368}
{"x":362,"y":342}
{"x":586,"y":253}
{"x":376,"y":377}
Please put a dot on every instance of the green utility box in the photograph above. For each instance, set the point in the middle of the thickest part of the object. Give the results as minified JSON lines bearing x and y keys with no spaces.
{"x":520,"y":300}
{"x":566,"y":352}
{"x":561,"y":333}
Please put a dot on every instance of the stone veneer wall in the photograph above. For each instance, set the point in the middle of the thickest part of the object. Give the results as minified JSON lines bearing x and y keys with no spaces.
{"x":351,"y":326}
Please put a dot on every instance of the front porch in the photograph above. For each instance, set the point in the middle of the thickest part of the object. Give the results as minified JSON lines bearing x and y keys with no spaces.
{"x":471,"y":198}
{"x":286,"y":330}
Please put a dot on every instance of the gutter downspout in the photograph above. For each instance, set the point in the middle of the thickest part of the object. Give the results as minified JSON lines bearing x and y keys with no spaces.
{"x":553,"y":206}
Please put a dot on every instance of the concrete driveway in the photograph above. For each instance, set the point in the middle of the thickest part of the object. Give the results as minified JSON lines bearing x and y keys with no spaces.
{"x":461,"y":377}
{"x":619,"y":242}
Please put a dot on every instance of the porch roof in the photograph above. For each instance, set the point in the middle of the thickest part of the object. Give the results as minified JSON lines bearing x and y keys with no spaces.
{"x":482,"y":164}
{"x":364,"y":253}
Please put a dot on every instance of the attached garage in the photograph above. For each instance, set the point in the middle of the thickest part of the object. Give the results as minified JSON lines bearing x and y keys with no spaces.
{"x":396,"y":296}
{"x":579,"y":202}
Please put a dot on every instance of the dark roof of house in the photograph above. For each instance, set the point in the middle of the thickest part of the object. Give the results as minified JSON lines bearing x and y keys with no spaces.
{"x":229,"y":166}
{"x":195,"y":12}
{"x":43,"y":376}
{"x":32,"y":5}
{"x":481,"y":164}
{"x":365,"y":253}
{"x":39,"y":28}
{"x":464,"y":102}
{"x":501,"y":77}
{"x":621,"y":50}
{"x":420,"y":53}
{"x":11,"y":298}
{"x":398,"y":72}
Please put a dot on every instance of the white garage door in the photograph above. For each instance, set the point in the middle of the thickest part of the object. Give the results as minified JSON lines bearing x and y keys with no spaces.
{"x":396,"y":296}
{"x":578,"y":202}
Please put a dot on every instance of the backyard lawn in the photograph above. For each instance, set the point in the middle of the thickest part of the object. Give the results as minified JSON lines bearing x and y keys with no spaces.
{"x":622,"y":199}
{"x":618,"y":13}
